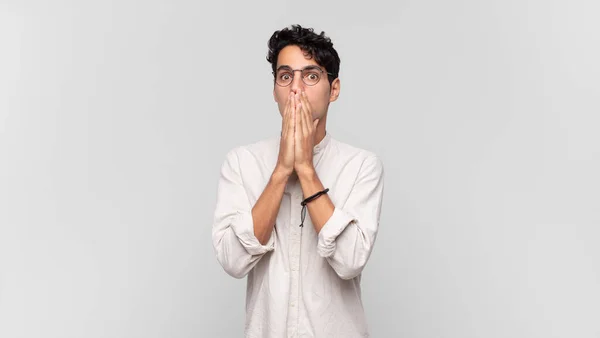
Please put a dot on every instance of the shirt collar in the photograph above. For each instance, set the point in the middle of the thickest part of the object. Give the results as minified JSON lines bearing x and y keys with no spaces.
{"x":323,"y":144}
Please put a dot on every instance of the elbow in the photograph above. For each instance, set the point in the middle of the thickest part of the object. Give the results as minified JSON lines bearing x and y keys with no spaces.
{"x":347,"y":273}
{"x":236,"y":258}
{"x":233,"y":268}
{"x":231,"y":261}
{"x":349,"y":266}
{"x":236,"y":273}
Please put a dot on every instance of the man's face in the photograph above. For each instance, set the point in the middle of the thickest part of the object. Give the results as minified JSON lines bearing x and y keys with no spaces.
{"x":319,"y":95}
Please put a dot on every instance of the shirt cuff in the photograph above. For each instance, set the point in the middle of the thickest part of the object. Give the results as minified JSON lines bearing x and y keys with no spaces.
{"x":338,"y":221}
{"x":243,"y":228}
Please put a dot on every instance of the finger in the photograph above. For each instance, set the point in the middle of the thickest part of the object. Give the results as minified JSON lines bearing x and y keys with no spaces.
{"x":305,"y":119}
{"x":292,"y":117}
{"x":284,"y":121}
{"x":294,"y":113}
{"x":290,"y":125}
{"x":307,"y":105}
{"x":300,"y":116}
{"x":308,"y":114}
{"x":297,"y":121}
{"x":286,"y":109}
{"x":286,"y":117}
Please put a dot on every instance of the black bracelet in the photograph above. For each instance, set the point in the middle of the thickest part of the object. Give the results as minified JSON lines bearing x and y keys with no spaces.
{"x":307,"y":200}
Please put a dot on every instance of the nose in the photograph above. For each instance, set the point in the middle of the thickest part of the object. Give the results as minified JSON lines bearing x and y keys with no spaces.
{"x":297,"y":85}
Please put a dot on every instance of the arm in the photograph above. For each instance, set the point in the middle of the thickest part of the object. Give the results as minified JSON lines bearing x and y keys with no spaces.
{"x":320,"y":209}
{"x":241,"y":234}
{"x":346,"y":234}
{"x":266,"y":208}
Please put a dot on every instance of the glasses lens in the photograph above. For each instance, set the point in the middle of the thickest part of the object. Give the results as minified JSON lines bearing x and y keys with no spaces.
{"x":311,"y":76}
{"x":284,"y":77}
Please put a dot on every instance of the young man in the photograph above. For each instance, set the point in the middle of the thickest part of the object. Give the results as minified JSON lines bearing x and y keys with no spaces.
{"x":298,"y":214}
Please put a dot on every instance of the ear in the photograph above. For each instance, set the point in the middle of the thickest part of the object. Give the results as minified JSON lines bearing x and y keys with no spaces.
{"x":274,"y":97}
{"x":335,"y":90}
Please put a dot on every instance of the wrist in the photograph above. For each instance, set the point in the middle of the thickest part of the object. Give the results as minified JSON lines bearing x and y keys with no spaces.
{"x":306,"y":173}
{"x":280,"y":175}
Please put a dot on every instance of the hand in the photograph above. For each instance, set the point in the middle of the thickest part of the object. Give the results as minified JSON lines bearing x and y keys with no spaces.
{"x":304,"y":135}
{"x":285,"y":161}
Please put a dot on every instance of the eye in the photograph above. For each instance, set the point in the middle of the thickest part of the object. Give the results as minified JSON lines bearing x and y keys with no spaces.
{"x":312,"y":76}
{"x":285,"y":76}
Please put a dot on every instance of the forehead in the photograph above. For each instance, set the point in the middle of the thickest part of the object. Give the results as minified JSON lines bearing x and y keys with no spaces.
{"x":294,"y":57}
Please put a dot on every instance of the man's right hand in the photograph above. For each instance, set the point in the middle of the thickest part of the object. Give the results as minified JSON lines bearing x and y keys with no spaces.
{"x":285,"y":161}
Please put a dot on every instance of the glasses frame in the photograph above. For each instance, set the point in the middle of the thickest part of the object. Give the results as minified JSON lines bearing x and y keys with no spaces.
{"x":293,"y":71}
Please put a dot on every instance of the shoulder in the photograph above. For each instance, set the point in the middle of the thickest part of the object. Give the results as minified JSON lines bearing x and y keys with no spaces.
{"x":347,"y":152}
{"x":259,"y":151}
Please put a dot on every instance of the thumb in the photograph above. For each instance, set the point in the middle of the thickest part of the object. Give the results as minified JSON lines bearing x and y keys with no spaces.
{"x":315,"y":123}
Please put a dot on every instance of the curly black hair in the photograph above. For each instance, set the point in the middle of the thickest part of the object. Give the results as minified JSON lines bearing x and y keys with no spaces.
{"x":317,"y":46}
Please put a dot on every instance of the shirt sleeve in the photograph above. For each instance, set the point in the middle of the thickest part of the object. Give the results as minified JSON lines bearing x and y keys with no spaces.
{"x":236,"y":247}
{"x":347,"y":238}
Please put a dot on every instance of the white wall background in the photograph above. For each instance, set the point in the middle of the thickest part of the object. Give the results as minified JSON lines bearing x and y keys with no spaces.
{"x":115,"y":117}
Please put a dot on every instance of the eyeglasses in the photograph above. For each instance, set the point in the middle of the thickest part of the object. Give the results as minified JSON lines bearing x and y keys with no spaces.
{"x":310,"y":75}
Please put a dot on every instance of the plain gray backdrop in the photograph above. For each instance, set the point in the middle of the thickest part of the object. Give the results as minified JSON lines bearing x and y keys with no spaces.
{"x":115,"y":117}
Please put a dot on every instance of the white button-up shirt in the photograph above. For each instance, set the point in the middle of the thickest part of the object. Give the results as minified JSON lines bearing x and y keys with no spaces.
{"x":300,"y":284}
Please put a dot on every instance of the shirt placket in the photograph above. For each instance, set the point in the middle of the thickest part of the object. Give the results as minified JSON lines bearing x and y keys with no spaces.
{"x":294,"y":254}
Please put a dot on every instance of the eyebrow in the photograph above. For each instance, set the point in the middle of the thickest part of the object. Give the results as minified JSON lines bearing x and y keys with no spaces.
{"x":307,"y":67}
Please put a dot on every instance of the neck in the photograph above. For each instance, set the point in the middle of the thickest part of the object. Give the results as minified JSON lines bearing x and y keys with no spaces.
{"x":320,"y":131}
